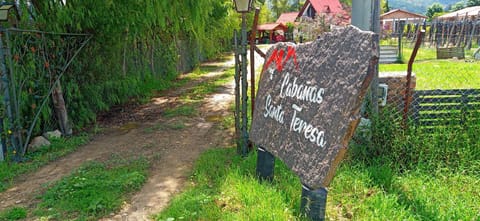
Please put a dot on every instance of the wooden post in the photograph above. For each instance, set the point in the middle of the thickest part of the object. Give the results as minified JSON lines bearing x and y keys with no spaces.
{"x":61,"y":110}
{"x":409,"y":75}
{"x":461,"y":34}
{"x":472,"y":33}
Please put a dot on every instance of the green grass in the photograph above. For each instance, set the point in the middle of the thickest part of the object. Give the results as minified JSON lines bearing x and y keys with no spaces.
{"x":224,"y":187}
{"x":438,"y":74}
{"x":177,"y":125}
{"x":186,"y":110}
{"x":192,"y":98}
{"x":60,"y":147}
{"x":207,"y":87}
{"x":16,"y":213}
{"x":397,"y":175}
{"x":369,"y":193}
{"x":93,"y":191}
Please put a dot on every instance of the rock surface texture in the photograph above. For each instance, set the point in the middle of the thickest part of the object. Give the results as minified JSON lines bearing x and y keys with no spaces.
{"x":309,"y":98}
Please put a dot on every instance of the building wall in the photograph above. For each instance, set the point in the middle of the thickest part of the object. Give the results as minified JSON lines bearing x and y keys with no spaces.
{"x":400,"y":15}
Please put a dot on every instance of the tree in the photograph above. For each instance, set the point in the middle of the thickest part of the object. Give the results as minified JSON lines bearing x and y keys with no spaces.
{"x":457,"y":6}
{"x":435,"y":8}
{"x":471,"y":3}
{"x":280,"y":6}
{"x":385,"y":6}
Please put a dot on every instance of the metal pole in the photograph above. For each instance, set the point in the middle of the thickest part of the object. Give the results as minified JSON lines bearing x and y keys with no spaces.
{"x":6,"y":98}
{"x":237,"y":94}
{"x":366,"y":16}
{"x":375,"y":27}
{"x":16,"y":102}
{"x":253,"y":35}
{"x":244,"y":87}
{"x":265,"y":164}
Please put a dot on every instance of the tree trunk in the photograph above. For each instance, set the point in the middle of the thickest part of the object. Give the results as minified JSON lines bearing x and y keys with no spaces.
{"x":61,"y":110}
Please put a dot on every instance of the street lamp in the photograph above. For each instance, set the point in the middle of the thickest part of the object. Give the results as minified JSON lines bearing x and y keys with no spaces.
{"x":243,"y":7}
{"x":5,"y":8}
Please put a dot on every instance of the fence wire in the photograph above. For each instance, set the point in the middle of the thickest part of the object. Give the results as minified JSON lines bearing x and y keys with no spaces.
{"x":444,"y":93}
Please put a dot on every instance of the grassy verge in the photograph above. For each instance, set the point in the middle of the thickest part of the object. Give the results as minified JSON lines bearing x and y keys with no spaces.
{"x":396,"y":175}
{"x":93,"y":191}
{"x":16,"y":213}
{"x":439,"y":74}
{"x":60,"y":147}
{"x":223,"y":187}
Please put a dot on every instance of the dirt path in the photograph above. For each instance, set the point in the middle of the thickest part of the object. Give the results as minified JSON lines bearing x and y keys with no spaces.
{"x":140,"y":132}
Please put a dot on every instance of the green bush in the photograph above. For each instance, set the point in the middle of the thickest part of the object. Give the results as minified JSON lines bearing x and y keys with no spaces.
{"x":137,"y":46}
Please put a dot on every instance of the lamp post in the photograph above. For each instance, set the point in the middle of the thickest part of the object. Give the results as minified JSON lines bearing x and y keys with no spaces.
{"x":5,"y":86}
{"x":243,"y":7}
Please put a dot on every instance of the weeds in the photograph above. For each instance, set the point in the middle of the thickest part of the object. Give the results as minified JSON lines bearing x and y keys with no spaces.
{"x":414,"y":148}
{"x":16,"y":213}
{"x":94,"y":190}
{"x":60,"y":147}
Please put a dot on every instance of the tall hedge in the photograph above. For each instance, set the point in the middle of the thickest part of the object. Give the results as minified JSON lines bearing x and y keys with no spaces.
{"x":135,"y":42}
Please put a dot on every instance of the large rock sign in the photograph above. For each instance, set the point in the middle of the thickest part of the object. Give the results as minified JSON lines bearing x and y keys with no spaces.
{"x":308,"y":102}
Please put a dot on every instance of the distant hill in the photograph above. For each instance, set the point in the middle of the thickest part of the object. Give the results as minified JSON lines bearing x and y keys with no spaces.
{"x":416,"y":6}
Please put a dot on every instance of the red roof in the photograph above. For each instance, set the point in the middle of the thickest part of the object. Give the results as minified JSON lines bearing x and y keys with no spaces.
{"x":325,"y":6}
{"x":328,"y":6}
{"x":271,"y":27}
{"x":288,"y":17}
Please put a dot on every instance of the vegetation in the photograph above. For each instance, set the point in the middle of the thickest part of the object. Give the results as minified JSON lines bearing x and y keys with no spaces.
{"x":160,"y":44}
{"x":60,"y":147}
{"x":434,"y":10}
{"x":93,"y":191}
{"x":16,"y":213}
{"x":439,"y":74}
{"x":418,"y":6}
{"x":391,"y":173}
{"x":368,"y":186}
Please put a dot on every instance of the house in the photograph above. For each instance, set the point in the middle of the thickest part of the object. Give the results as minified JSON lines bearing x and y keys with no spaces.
{"x":288,"y":17}
{"x":470,"y":13}
{"x":271,"y":32}
{"x":390,"y":20}
{"x":333,"y":8}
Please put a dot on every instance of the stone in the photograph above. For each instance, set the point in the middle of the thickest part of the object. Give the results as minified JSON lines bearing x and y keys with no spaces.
{"x":52,"y":134}
{"x":308,"y":102}
{"x":37,"y":142}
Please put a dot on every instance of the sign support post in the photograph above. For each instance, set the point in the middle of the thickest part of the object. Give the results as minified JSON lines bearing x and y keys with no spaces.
{"x":314,"y":203}
{"x":265,"y":164}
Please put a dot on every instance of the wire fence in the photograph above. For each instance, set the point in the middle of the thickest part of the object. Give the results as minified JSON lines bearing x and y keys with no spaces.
{"x":32,"y":64}
{"x":442,"y":93}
